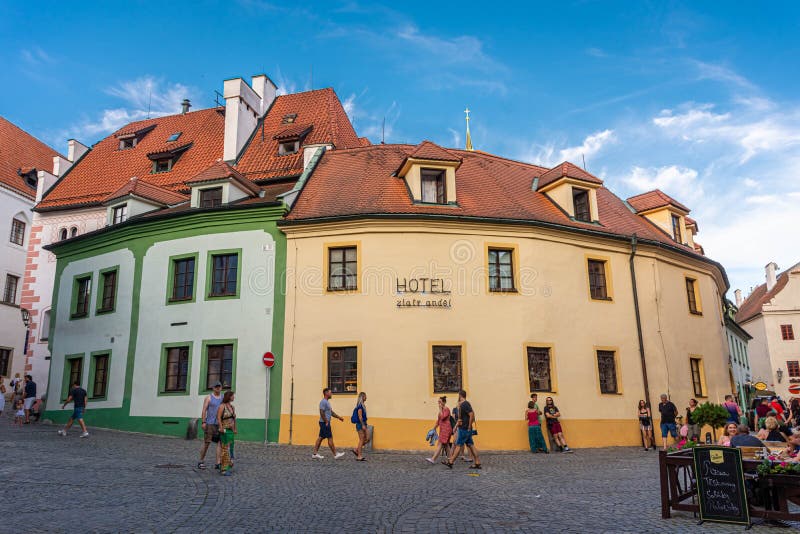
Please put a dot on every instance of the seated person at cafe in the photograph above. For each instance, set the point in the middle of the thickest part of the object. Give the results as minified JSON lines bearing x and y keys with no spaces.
{"x":744,"y":439}
{"x":771,"y":432}
{"x":762,"y":410}
{"x":792,"y":448}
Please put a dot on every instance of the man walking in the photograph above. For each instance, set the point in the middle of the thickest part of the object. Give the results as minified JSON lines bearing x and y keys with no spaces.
{"x":210,"y":426}
{"x":668,"y":413}
{"x":464,"y":433}
{"x":77,"y":395}
{"x":28,"y":396}
{"x":325,"y":432}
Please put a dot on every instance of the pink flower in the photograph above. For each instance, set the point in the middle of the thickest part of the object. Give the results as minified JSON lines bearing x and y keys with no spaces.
{"x":783,"y":464}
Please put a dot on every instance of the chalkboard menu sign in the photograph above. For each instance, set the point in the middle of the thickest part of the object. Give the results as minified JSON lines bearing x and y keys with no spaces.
{"x":720,"y":485}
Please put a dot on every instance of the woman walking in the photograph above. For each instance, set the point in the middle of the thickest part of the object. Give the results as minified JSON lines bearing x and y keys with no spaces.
{"x":552,"y":414}
{"x":2,"y":395}
{"x":226,"y":416}
{"x":535,"y":437}
{"x":359,"y":418}
{"x":693,"y":429}
{"x":646,"y":425}
{"x":445,"y":427}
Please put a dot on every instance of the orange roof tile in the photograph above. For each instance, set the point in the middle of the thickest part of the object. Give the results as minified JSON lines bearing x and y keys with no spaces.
{"x":320,"y":108}
{"x":20,"y":151}
{"x":429,"y":150}
{"x":755,"y":301}
{"x":293,"y":131}
{"x":221,"y":170}
{"x":654,"y":199}
{"x":567,"y":170}
{"x":106,"y":168}
{"x":147,"y":191}
{"x":360,"y":182}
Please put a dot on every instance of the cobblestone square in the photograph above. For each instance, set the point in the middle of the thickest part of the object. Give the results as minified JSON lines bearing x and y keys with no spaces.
{"x":121,"y":482}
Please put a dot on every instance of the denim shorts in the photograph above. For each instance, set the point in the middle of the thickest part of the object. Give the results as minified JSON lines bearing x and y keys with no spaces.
{"x":77,"y":413}
{"x":669,"y":427}
{"x":325,"y":431}
{"x":464,"y":437}
{"x":359,"y":426}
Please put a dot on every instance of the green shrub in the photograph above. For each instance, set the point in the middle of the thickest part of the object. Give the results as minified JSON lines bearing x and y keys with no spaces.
{"x":713,"y":415}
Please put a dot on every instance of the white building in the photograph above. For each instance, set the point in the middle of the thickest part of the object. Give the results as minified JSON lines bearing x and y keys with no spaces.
{"x":738,"y":357}
{"x":22,"y":159}
{"x":771,"y":314}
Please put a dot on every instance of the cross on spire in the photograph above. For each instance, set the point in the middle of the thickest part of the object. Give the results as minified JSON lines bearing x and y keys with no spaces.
{"x":469,"y":137}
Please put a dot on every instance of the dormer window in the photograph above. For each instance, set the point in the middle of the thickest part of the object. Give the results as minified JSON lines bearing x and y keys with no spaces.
{"x":676,"y":229}
{"x":162,"y":165}
{"x":128,"y":142}
{"x":174,"y":137}
{"x":288,"y":147}
{"x":211,"y":198}
{"x":433,"y":186}
{"x":289,"y":118}
{"x":580,"y":203}
{"x":119,"y":214}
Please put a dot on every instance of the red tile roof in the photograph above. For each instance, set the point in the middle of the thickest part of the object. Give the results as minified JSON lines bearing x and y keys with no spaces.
{"x":755,"y":301}
{"x":141,"y":189}
{"x":567,"y":170}
{"x":221,"y":170}
{"x":293,"y":131}
{"x":360,"y":182}
{"x":320,"y":108}
{"x":654,"y":199}
{"x":19,"y":150}
{"x":106,"y":168}
{"x":428,"y":150}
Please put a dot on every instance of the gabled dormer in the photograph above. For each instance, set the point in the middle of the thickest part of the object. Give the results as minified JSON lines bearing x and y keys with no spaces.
{"x":430,"y":174}
{"x":166,"y":158}
{"x":573,"y":190}
{"x":130,"y":137}
{"x":666,"y":213}
{"x":137,"y":197}
{"x":220,"y":184}
{"x":290,"y":138}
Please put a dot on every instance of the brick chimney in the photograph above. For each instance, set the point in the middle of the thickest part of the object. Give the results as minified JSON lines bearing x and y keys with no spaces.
{"x":739,"y":300}
{"x":244,"y":105}
{"x":772,"y":278}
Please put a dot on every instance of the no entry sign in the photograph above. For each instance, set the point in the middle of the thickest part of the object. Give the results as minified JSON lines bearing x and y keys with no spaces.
{"x":268,"y":359}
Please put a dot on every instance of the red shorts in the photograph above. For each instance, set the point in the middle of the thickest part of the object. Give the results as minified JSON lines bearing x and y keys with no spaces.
{"x":555,"y":428}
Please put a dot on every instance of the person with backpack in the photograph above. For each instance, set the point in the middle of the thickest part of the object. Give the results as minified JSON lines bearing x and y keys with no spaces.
{"x":464,"y":433}
{"x":359,"y":418}
{"x":444,"y":423}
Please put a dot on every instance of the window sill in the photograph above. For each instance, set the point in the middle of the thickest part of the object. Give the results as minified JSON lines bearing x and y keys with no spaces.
{"x":605,"y":299}
{"x":697,"y":313}
{"x":185,"y":299}
{"x":508,"y":291}
{"x":222,"y":295}
{"x":173,"y":393}
{"x":97,"y":399}
{"x":79,"y":316}
{"x":104,"y":310}
{"x":10,"y":304}
{"x":342,"y":289}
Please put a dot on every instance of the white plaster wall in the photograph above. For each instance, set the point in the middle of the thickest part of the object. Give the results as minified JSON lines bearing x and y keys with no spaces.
{"x":12,"y":261}
{"x":108,"y":331}
{"x":248,"y":319}
{"x":758,"y":352}
{"x":43,"y":268}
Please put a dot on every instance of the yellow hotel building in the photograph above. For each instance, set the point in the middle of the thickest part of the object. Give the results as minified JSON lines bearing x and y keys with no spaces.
{"x":414,"y":271}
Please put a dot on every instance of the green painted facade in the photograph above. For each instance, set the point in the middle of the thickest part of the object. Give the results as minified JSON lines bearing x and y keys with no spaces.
{"x":138,"y":235}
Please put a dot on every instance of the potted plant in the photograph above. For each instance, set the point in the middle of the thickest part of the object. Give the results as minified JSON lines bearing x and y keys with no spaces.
{"x":713,"y":415}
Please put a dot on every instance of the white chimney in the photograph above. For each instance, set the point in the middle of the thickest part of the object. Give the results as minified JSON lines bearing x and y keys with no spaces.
{"x":45,"y":181}
{"x":76,"y":150}
{"x":772,"y":279}
{"x":739,"y":300}
{"x":60,"y":165}
{"x":243,"y":107}
{"x":266,"y":89}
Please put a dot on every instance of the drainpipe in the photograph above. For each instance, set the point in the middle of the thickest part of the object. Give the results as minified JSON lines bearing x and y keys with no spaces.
{"x":634,"y":242}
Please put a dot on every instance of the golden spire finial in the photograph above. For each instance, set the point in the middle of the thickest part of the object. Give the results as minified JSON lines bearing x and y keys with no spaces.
{"x":469,"y":137}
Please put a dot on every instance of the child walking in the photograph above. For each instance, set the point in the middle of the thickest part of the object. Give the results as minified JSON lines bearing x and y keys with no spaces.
{"x":19,"y":414}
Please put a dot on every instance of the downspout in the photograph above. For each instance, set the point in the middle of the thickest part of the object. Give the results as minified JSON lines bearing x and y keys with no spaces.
{"x":634,"y":243}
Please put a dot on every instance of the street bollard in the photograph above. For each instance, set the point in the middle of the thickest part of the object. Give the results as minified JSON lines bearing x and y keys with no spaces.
{"x":370,"y":437}
{"x":191,"y":429}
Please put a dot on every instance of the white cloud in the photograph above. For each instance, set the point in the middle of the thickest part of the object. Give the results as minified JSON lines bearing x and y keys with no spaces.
{"x":679,"y":182}
{"x":36,"y":56}
{"x":547,"y":155}
{"x":749,"y":182}
{"x":455,"y":138}
{"x":142,"y":98}
{"x":720,"y":73}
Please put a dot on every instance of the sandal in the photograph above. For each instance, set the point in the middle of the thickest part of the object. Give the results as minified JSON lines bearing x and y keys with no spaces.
{"x":448,"y":464}
{"x":354,"y":451}
{"x":475,"y":466}
{"x":361,"y":459}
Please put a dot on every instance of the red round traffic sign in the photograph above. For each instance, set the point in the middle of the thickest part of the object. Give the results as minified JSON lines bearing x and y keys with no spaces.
{"x":268,"y":359}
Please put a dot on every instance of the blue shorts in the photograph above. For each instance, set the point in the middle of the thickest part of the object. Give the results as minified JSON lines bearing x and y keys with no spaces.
{"x":77,"y":413}
{"x":669,"y":427}
{"x":464,"y":437}
{"x":359,"y":426}
{"x":325,"y":431}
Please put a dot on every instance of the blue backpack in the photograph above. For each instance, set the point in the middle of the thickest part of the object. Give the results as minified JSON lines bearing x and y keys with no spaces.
{"x":354,"y":417}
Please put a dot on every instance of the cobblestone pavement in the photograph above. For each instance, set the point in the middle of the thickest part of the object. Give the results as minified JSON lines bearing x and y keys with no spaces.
{"x":115,"y":481}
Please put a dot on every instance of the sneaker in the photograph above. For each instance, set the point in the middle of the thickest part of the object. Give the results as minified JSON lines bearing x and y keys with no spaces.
{"x":227,"y":474}
{"x":567,"y":449}
{"x":430,"y":460}
{"x":216,"y":466}
{"x":317,"y":456}
{"x":62,"y":433}
{"x":201,"y":465}
{"x":338,"y":455}
{"x":85,"y":435}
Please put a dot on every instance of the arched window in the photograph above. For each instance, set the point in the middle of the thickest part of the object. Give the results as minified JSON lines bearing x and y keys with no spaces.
{"x":62,"y":234}
{"x":73,"y":231}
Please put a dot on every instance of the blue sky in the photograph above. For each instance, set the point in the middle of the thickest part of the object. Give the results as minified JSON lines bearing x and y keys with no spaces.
{"x":700,"y":100}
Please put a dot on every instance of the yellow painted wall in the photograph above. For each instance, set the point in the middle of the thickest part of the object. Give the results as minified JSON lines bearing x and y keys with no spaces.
{"x":552,"y":307}
{"x":562,"y":195}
